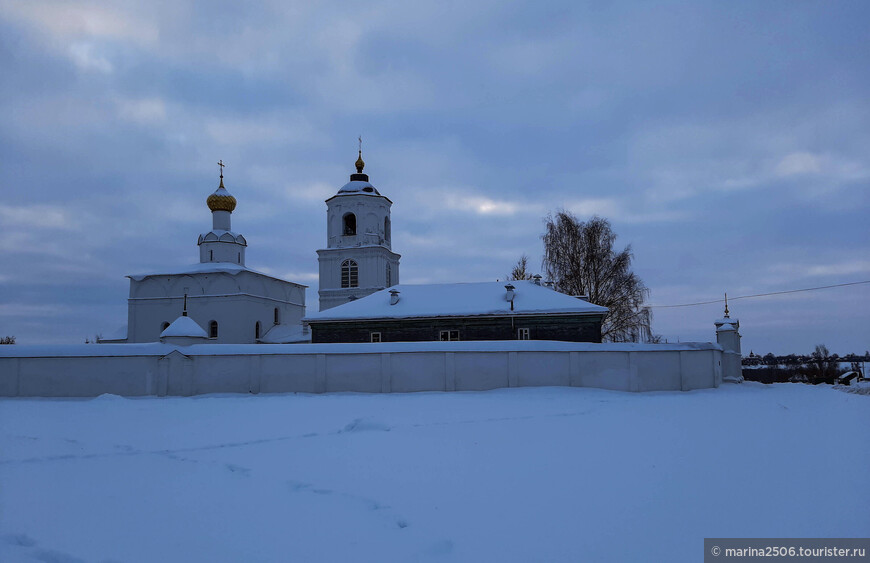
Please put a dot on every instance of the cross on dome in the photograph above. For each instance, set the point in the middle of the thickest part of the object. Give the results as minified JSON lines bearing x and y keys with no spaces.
{"x":360,"y":163}
{"x":221,"y":200}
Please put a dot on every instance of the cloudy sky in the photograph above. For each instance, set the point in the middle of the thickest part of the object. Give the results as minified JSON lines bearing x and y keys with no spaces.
{"x":727,"y":142}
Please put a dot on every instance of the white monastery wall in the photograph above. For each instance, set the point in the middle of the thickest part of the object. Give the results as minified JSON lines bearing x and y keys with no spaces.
{"x":164,"y":369}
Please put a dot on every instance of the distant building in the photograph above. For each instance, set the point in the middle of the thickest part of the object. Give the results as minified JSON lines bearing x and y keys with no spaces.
{"x":519,"y":310}
{"x":358,"y":259}
{"x":231,"y":303}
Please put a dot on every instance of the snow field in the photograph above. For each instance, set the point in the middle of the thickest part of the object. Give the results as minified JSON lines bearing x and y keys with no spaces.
{"x":531,"y":474}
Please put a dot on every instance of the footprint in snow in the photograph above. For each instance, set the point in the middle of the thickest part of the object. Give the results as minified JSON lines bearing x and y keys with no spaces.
{"x":371,"y":504}
{"x":362,"y":425}
{"x":243,"y":471}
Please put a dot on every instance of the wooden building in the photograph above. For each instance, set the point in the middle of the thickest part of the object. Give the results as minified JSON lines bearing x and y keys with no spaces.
{"x":518,"y":310}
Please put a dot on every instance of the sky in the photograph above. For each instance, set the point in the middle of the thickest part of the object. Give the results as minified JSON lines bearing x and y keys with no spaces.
{"x":727,"y":143}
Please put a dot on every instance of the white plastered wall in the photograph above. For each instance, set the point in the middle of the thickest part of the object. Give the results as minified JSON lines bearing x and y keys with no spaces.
{"x":236,"y":301}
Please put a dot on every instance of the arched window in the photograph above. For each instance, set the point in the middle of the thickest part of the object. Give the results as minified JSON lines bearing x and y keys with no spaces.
{"x":257,"y":331}
{"x":212,"y":329}
{"x":389,"y":275}
{"x":163,"y":326}
{"x":387,"y":229}
{"x":349,"y":274}
{"x":349,"y":224}
{"x":277,"y":315}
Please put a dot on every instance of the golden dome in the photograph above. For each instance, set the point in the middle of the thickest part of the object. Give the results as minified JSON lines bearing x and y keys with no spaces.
{"x":360,"y":163}
{"x":221,"y":200}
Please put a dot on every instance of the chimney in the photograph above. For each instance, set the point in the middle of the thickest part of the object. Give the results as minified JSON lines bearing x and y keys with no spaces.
{"x":536,"y":279}
{"x":509,"y":296}
{"x":394,"y":297}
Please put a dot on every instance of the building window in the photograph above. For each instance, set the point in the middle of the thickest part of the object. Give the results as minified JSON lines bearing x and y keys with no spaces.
{"x":163,"y":326}
{"x":389,"y":275}
{"x":387,"y":229}
{"x":349,"y":274}
{"x":240,"y":258}
{"x":376,"y":336}
{"x":257,"y":331}
{"x":211,"y":255}
{"x":349,"y":224}
{"x":212,"y":329}
{"x":449,"y":335}
{"x":277,"y":315}
{"x":522,"y":334}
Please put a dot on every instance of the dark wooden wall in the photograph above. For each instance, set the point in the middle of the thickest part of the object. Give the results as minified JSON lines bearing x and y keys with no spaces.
{"x":568,"y":328}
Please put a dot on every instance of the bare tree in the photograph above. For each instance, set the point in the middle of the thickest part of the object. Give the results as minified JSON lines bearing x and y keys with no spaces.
{"x":579,"y":258}
{"x":520,"y":271}
{"x":7,"y":340}
{"x":824,"y":366}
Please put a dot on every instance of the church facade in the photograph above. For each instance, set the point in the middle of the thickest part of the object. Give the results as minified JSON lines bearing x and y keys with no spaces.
{"x":231,"y":302}
{"x":358,"y":259}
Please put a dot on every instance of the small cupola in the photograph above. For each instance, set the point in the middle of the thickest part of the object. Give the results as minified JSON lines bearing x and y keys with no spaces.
{"x":359,"y":182}
{"x":221,"y":244}
{"x":726,"y":323}
{"x":221,"y":200}
{"x":360,"y":164}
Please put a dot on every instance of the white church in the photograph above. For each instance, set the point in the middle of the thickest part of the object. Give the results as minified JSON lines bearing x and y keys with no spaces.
{"x":234,"y":304}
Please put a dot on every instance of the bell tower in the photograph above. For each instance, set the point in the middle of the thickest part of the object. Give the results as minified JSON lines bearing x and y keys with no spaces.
{"x":358,"y":259}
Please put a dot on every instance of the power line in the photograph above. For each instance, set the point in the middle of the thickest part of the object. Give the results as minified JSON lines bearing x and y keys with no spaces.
{"x":758,"y":295}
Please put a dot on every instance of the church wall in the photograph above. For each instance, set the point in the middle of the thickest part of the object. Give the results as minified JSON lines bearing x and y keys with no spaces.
{"x":163,"y":369}
{"x":218,"y":251}
{"x":370,"y":212}
{"x":372,"y":263}
{"x":215,"y":296}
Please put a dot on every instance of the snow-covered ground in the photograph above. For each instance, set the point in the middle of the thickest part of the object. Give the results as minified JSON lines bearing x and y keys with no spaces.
{"x":547,"y":474}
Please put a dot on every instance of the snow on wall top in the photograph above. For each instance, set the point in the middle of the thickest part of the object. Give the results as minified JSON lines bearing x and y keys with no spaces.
{"x":458,"y":299}
{"x":184,"y":326}
{"x":162,"y":349}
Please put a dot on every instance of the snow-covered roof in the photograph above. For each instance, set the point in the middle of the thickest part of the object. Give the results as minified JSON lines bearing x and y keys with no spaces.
{"x":207,"y":268}
{"x":727,"y":324}
{"x":358,"y":186}
{"x":458,"y":300}
{"x":285,"y":334}
{"x":118,"y":334}
{"x":184,"y":326}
